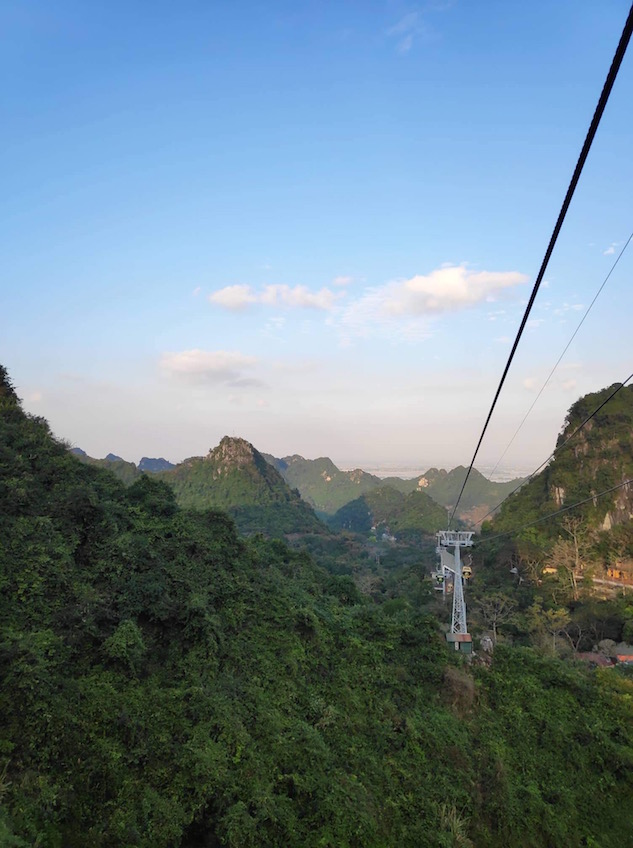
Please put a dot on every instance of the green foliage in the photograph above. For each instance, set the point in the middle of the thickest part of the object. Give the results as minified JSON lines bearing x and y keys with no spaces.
{"x":126,"y":472}
{"x":405,"y":516}
{"x":444,"y":488}
{"x":166,"y":684}
{"x":235,"y":477}
{"x":599,"y":457}
{"x":321,"y":483}
{"x":328,"y":489}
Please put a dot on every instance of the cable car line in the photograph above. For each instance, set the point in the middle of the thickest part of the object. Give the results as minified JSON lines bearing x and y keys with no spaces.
{"x":559,"y":447}
{"x":553,"y":514}
{"x":593,"y":127}
{"x":558,"y":361}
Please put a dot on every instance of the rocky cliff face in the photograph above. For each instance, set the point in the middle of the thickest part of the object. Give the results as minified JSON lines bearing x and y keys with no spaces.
{"x":232,"y":452}
{"x":597,"y":458}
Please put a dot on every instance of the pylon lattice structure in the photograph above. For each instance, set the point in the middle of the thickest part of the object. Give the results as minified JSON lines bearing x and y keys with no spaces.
{"x":451,"y":562}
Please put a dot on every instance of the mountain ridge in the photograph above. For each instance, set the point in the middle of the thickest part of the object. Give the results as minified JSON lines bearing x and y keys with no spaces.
{"x":328,"y":489}
{"x":235,"y":476}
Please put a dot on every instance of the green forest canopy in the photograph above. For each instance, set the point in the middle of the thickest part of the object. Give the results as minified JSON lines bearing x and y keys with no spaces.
{"x":166,"y":683}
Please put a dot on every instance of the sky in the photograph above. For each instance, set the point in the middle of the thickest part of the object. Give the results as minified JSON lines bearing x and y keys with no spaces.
{"x":311,"y":224}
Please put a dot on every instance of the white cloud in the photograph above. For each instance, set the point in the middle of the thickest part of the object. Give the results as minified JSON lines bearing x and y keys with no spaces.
{"x":34,"y":397}
{"x":568,"y":385}
{"x":404,"y":309}
{"x":239,"y":297}
{"x":208,"y":366}
{"x":196,"y":291}
{"x":529,"y":383}
{"x":447,"y":289}
{"x":611,"y":249}
{"x":299,"y":296}
{"x":503,"y":339}
{"x":233,"y":297}
{"x":342,"y":281}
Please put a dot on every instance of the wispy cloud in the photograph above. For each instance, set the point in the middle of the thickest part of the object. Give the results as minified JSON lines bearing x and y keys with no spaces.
{"x":209,"y":367}
{"x":406,"y":29}
{"x":407,"y":306}
{"x":196,"y":291}
{"x":342,"y":281}
{"x":414,"y":26}
{"x":560,"y":382}
{"x":611,"y":249}
{"x":569,"y":307}
{"x":240,"y":297}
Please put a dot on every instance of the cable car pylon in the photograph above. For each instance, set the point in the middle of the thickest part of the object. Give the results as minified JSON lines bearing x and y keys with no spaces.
{"x":450,"y":563}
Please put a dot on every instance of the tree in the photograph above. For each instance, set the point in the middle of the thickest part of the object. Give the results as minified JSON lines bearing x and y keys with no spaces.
{"x":496,"y":608}
{"x":547,"y":622}
{"x":570,"y":555}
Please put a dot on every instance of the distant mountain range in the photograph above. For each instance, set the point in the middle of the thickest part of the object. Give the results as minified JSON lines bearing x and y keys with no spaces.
{"x":147,"y":464}
{"x":233,"y":477}
{"x":328,"y":489}
{"x":290,"y":495}
{"x":153,"y":466}
{"x":324,"y":486}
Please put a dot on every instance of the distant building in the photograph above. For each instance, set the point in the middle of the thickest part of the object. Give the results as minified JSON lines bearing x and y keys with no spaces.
{"x":593,"y":658}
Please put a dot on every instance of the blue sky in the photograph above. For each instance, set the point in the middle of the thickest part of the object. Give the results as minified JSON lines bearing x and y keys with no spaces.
{"x":310,"y":224}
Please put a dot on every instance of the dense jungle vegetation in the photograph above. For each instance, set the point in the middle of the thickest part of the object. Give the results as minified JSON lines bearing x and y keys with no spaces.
{"x":168,"y":683}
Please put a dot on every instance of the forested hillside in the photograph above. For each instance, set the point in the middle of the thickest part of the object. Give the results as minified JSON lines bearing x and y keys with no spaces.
{"x":168,"y":685}
{"x":409,"y":517}
{"x":480,"y":495}
{"x":127,"y":472}
{"x":328,"y":489}
{"x":321,"y":483}
{"x":599,"y":457}
{"x":235,"y":477}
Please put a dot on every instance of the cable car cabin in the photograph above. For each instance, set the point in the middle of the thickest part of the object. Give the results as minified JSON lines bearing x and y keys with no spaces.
{"x":463,"y":642}
{"x":467,"y":572}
